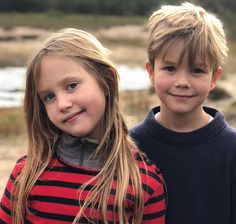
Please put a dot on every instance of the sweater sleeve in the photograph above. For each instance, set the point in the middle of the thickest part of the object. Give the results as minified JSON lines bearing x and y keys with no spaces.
{"x":233,"y":190}
{"x":155,"y":208}
{"x":155,"y":203}
{"x":5,"y":204}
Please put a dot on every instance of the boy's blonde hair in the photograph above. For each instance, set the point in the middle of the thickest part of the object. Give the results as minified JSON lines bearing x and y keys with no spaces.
{"x":115,"y":146}
{"x":201,"y":31}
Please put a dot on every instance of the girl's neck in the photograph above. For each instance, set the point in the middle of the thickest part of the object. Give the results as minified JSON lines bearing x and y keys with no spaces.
{"x":79,"y":152}
{"x":183,"y":122}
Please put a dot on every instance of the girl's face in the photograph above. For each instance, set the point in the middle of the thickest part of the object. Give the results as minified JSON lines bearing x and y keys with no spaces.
{"x":73,"y":99}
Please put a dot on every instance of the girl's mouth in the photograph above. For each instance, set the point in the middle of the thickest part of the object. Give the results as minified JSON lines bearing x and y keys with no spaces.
{"x":72,"y":116}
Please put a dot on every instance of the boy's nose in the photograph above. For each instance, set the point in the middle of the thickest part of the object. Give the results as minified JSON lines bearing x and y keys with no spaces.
{"x":182,"y":82}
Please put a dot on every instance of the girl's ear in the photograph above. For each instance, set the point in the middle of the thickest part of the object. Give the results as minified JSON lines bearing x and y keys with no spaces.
{"x":216,"y":75}
{"x":150,"y":71}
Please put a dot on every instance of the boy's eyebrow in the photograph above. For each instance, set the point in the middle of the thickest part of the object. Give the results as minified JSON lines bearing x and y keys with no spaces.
{"x":169,"y":62}
{"x":200,"y":64}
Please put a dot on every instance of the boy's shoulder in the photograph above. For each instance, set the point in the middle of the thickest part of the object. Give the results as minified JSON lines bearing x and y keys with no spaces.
{"x":229,"y":135}
{"x":230,"y":129}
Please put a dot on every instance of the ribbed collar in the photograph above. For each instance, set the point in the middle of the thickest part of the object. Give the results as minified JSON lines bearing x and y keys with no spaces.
{"x":187,"y":138}
{"x":78,"y":152}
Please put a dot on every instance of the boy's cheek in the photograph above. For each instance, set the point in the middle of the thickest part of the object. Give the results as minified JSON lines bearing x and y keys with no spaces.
{"x":150,"y":73}
{"x":217,"y":74}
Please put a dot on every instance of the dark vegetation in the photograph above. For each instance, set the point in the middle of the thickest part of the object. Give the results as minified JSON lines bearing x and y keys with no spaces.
{"x":224,"y":9}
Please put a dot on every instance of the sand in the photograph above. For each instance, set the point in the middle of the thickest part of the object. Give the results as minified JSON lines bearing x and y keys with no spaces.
{"x":10,"y":151}
{"x":12,"y":148}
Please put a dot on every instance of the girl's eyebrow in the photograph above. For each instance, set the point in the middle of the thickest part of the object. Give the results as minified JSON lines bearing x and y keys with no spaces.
{"x":43,"y":93}
{"x":60,"y":83}
{"x":68,"y":79}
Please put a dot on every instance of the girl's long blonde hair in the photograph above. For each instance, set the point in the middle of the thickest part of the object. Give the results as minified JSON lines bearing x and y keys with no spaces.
{"x":115,"y":146}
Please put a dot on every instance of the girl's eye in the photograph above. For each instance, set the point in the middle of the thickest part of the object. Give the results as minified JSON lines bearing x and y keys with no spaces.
{"x":170,"y":68}
{"x":49,"y":97}
{"x":71,"y":86}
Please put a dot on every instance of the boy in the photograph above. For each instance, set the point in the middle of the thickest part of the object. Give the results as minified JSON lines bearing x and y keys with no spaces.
{"x":193,"y":145}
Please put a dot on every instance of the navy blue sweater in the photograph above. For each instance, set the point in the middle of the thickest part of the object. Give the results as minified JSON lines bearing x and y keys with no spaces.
{"x":199,"y":168}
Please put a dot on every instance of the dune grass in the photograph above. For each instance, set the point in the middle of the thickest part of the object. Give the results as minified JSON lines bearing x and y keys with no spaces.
{"x":12,"y":122}
{"x":134,"y":104}
{"x":57,"y":20}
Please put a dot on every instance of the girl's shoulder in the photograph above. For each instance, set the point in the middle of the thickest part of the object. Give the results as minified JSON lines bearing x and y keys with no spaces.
{"x":145,"y":162}
{"x":150,"y":173}
{"x":153,"y":184}
{"x":21,"y":160}
{"x":19,"y":165}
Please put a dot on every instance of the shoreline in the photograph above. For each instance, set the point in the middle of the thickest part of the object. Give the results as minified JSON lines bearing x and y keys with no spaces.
{"x":134,"y":103}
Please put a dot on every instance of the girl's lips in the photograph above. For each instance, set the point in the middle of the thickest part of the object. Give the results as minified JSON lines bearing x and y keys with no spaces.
{"x":73,"y":116}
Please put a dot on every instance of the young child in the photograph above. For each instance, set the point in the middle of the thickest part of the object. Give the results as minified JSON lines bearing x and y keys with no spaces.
{"x":192,"y":144}
{"x":81,"y":166}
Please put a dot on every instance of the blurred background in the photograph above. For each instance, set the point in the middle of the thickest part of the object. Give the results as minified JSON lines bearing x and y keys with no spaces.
{"x":121,"y":27}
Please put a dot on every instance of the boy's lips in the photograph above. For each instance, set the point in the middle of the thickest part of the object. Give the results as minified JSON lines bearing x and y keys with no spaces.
{"x":181,"y":95}
{"x":72,"y":116}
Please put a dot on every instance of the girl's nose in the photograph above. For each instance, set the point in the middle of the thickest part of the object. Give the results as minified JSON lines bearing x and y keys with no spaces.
{"x":63,"y":103}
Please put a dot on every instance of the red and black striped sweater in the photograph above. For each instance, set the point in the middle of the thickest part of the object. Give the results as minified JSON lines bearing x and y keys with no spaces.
{"x":55,"y":197}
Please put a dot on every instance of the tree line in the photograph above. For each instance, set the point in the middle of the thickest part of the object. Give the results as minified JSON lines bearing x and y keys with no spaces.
{"x":112,"y":7}
{"x":223,"y":8}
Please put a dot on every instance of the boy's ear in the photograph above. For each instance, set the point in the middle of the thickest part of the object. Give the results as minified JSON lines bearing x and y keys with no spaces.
{"x":150,"y":71}
{"x":216,"y":75}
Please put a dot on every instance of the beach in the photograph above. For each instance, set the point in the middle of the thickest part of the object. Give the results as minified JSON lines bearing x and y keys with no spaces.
{"x":134,"y":104}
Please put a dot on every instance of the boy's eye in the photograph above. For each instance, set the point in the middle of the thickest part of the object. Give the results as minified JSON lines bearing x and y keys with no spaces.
{"x":71,"y":86}
{"x":198,"y":71}
{"x":170,"y":68}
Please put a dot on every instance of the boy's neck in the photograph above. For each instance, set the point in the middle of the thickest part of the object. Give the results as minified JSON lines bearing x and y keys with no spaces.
{"x":183,"y":122}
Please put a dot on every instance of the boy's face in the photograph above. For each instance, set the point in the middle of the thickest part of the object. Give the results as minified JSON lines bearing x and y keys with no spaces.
{"x":181,"y":89}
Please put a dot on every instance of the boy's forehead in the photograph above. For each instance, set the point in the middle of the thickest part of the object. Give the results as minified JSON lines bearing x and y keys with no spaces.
{"x":177,"y":51}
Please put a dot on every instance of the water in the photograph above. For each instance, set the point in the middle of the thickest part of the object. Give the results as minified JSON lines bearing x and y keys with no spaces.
{"x":11,"y":86}
{"x":12,"y":83}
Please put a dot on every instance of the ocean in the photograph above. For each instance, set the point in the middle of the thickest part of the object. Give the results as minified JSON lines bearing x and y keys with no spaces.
{"x":12,"y":83}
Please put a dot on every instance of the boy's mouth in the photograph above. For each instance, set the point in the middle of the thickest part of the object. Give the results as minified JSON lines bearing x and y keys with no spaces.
{"x":183,"y":96}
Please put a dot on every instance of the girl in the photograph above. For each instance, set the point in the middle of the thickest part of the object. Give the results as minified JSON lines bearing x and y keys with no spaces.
{"x":81,"y":165}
